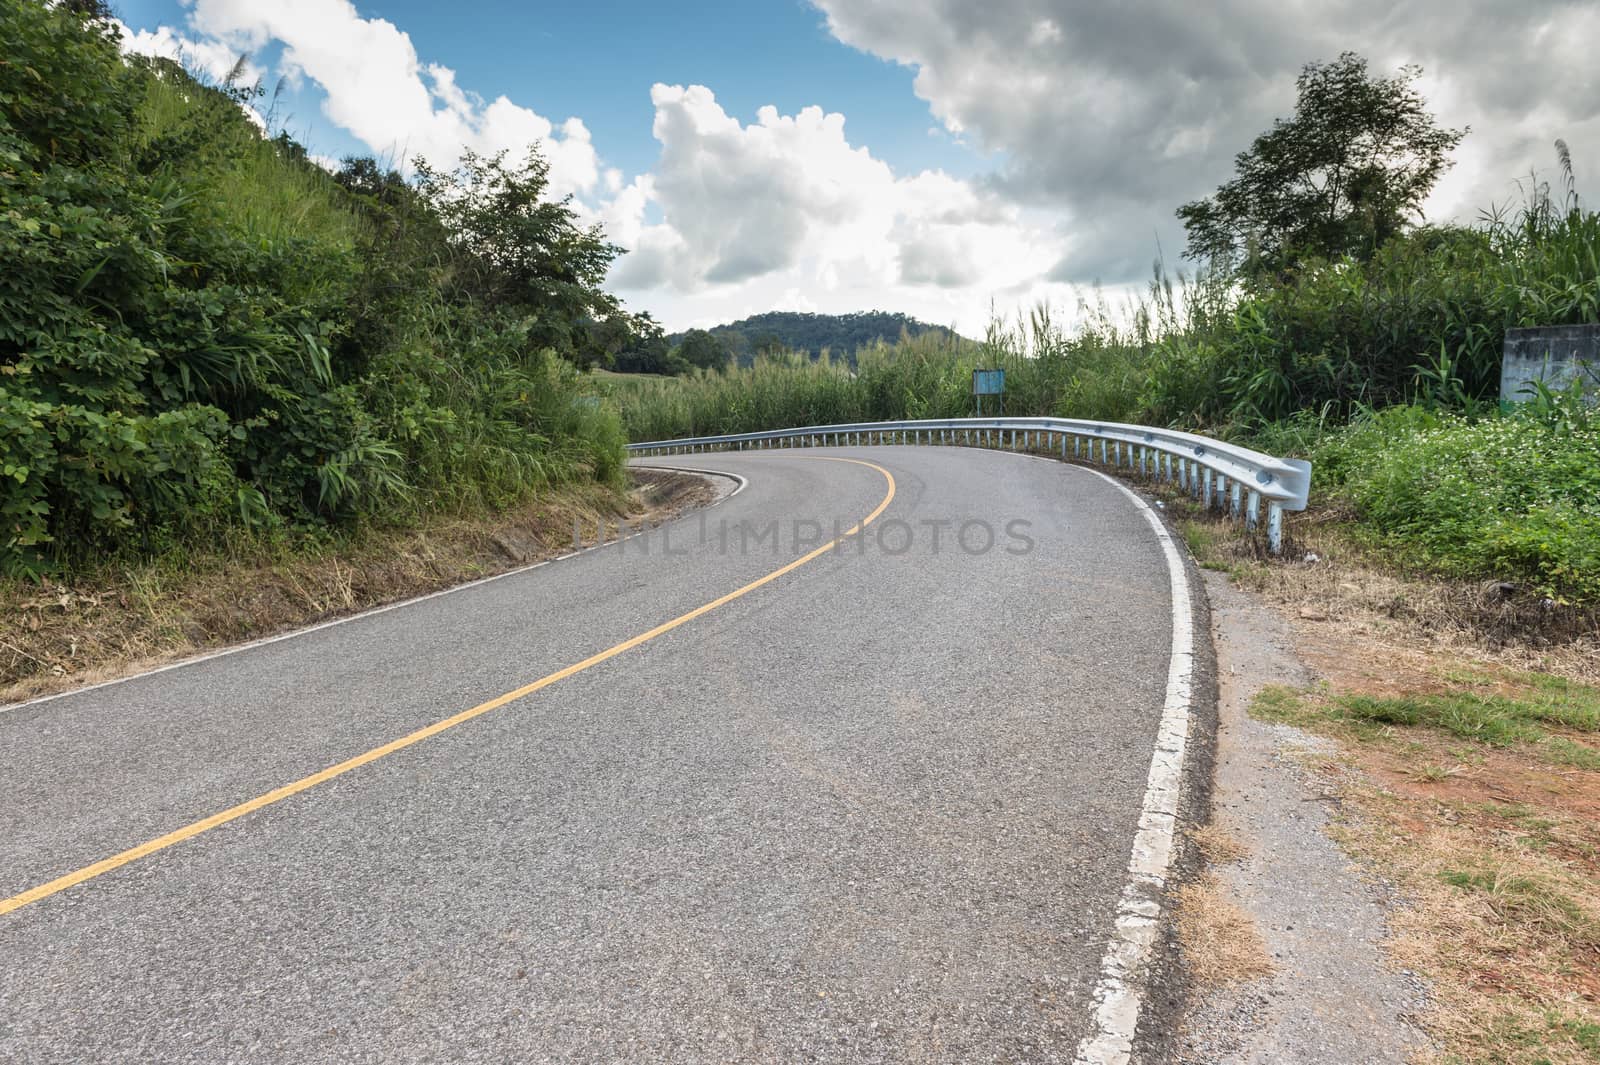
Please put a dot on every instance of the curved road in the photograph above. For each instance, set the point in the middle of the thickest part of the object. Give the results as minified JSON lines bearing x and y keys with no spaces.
{"x":877,"y":808}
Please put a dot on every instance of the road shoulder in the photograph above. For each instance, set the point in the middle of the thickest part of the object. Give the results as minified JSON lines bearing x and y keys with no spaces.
{"x":1294,"y":953}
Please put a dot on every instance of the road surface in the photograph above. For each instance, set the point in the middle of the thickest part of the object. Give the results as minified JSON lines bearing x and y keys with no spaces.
{"x":878,"y":807}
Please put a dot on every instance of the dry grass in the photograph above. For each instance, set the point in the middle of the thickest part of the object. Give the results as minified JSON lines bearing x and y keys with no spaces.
{"x":1468,"y":775}
{"x":1493,"y":844}
{"x":1217,"y":846}
{"x":1502,"y":916}
{"x":1328,"y":579}
{"x":1219,"y":940}
{"x":55,"y":636}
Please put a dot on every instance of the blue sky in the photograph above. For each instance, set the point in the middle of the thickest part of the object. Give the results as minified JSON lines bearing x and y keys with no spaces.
{"x":944,"y":158}
{"x":599,"y":60}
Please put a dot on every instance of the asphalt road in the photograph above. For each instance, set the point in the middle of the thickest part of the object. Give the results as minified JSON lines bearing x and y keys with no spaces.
{"x":876,"y":809}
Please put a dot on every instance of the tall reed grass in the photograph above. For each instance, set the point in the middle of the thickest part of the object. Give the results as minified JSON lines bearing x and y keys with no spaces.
{"x":1424,"y":321}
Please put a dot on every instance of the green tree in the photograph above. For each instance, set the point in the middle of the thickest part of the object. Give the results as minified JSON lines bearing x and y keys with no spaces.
{"x":519,"y":251}
{"x":202,"y":331}
{"x":647,"y":350}
{"x":768,"y":343}
{"x":1348,"y":171}
{"x":702,"y":349}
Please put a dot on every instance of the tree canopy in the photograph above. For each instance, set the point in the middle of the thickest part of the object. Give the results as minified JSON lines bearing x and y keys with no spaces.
{"x":1346,"y":172}
{"x":700,"y":348}
{"x":520,"y":251}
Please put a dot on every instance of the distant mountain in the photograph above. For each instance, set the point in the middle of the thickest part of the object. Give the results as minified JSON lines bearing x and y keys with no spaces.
{"x":841,"y":334}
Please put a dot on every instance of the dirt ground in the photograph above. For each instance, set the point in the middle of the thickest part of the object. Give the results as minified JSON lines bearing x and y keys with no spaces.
{"x":1465,"y":885}
{"x":1283,"y":933}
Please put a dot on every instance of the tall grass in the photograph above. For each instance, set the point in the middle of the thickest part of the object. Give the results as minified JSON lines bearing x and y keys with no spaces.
{"x":265,"y":192}
{"x":1424,"y":321}
{"x":1094,"y":371}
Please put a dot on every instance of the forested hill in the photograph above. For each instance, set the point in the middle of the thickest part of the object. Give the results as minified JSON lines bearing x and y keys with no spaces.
{"x":841,"y":334}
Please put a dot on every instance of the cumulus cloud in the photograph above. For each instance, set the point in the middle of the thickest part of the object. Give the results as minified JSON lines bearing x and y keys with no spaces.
{"x":209,"y":57}
{"x":737,"y":216}
{"x":788,"y":200}
{"x":1114,"y":114}
{"x":379,"y":90}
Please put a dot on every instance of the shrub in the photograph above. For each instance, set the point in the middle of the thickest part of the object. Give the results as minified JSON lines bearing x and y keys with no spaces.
{"x":199,"y":328}
{"x":1515,"y":497}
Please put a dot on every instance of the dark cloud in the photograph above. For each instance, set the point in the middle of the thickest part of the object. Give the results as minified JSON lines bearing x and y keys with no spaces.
{"x":1117,"y":113}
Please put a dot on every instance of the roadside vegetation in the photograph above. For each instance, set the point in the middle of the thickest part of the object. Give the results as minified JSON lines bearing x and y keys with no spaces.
{"x":1475,"y":786}
{"x":228,"y":375}
{"x":205,"y":335}
{"x":1324,"y":322}
{"x":1464,"y":769}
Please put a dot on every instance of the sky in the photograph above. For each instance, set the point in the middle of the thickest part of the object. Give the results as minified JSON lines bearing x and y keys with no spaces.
{"x":948,"y":159}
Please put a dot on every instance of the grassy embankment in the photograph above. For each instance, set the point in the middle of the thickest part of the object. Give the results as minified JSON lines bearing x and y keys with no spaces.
{"x":228,"y":377}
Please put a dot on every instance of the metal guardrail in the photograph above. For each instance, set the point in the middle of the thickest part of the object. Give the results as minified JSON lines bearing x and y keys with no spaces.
{"x":1222,"y":476}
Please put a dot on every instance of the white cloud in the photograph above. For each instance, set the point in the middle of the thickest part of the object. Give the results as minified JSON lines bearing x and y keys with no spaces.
{"x":1114,"y":114}
{"x":209,"y":57}
{"x":754,"y":213}
{"x":735,"y":217}
{"x":380,"y":91}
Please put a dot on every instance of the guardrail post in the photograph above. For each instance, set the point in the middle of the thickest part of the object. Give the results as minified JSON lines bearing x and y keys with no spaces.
{"x":1252,"y":510}
{"x":1275,"y":527}
{"x":1233,"y":499}
{"x":1104,"y":455}
{"x":1206,"y":491}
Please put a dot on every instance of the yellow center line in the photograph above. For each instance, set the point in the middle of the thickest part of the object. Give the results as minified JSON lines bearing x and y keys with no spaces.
{"x":143,"y":850}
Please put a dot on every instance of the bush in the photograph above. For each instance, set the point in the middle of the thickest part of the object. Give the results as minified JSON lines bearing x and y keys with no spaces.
{"x":1515,"y":497}
{"x":201,"y":329}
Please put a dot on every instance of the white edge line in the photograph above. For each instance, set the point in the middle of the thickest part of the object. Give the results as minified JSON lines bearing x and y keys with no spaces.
{"x":1124,"y":970}
{"x":399,"y":604}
